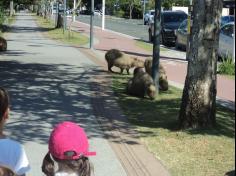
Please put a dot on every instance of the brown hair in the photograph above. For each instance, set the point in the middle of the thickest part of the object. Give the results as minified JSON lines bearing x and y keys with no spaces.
{"x":6,"y":172}
{"x":80,"y":166}
{"x":4,"y":102}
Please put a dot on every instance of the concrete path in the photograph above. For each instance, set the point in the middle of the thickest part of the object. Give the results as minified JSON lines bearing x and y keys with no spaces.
{"x":50,"y":82}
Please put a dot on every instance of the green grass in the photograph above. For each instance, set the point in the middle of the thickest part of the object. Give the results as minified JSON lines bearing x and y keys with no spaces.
{"x":147,"y":46}
{"x":189,"y":152}
{"x":75,"y":38}
{"x":231,"y":77}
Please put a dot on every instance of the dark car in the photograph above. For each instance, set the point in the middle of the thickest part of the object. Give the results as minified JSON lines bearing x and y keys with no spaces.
{"x":226,"y":19}
{"x":170,"y":21}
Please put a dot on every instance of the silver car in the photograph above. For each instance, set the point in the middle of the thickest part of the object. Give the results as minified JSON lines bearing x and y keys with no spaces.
{"x":226,"y":41}
{"x":181,"y":35}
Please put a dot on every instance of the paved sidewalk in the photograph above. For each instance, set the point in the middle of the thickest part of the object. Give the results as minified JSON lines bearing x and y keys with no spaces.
{"x":174,"y":62}
{"x":50,"y":82}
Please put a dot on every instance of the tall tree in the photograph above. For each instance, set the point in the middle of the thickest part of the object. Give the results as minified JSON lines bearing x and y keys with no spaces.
{"x":198,"y":108}
{"x":131,"y":4}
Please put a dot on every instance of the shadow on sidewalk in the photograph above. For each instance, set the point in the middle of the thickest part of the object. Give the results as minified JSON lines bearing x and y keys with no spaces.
{"x":20,"y":29}
{"x":43,"y":95}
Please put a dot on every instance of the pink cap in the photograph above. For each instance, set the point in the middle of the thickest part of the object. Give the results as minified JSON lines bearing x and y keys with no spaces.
{"x":69,"y":141}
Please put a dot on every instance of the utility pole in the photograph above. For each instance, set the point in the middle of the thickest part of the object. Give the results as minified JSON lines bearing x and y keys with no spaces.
{"x":91,"y":24}
{"x":74,"y":11}
{"x":144,"y":9}
{"x":156,"y":44}
{"x":11,"y":8}
{"x":103,"y":14}
{"x":64,"y":26}
{"x":190,"y":9}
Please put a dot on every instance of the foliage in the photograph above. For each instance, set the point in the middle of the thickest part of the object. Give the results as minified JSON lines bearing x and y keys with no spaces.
{"x":227,"y":66}
{"x":2,"y":16}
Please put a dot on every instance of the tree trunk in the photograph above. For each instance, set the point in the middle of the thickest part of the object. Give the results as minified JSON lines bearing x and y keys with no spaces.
{"x":131,"y":6}
{"x":60,"y":21}
{"x":198,"y":108}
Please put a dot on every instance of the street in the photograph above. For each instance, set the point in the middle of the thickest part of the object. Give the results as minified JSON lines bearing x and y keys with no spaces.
{"x":134,"y":28}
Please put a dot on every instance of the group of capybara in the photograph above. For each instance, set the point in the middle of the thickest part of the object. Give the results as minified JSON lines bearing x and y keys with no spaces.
{"x":141,"y":83}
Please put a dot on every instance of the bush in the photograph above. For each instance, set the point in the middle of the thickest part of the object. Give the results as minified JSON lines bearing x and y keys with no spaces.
{"x":120,"y":13}
{"x":227,"y":66}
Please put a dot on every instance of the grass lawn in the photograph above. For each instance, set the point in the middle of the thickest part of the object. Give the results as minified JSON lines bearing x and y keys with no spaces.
{"x":75,"y":38}
{"x":185,"y":153}
{"x":147,"y":46}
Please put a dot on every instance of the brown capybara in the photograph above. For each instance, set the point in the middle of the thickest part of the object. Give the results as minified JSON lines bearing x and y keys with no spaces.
{"x":3,"y":44}
{"x":141,"y":84}
{"x":119,"y":59}
{"x":163,"y":82}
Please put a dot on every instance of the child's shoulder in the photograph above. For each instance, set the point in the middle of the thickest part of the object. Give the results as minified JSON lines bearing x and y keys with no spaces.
{"x":9,"y":143}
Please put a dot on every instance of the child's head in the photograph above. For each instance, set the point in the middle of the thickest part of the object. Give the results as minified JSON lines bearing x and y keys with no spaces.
{"x":68,"y":146}
{"x":4,"y":103}
{"x":6,"y":172}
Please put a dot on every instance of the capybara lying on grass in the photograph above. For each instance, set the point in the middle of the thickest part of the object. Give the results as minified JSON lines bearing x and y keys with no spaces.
{"x":119,"y":59}
{"x":141,"y":84}
{"x":3,"y":44}
{"x":163,"y":82}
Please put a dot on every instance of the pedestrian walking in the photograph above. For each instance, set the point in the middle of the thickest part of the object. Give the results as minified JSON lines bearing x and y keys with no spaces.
{"x":68,"y":147}
{"x":12,"y":154}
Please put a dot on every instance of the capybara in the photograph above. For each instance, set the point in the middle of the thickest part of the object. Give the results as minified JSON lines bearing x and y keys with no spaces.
{"x":3,"y":44}
{"x":119,"y":59}
{"x":163,"y":82}
{"x":141,"y":84}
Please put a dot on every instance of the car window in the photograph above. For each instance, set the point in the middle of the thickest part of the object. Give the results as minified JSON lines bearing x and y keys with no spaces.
{"x":168,"y":18}
{"x":152,"y":13}
{"x":227,"y":30}
{"x":231,"y":18}
{"x":183,"y":26}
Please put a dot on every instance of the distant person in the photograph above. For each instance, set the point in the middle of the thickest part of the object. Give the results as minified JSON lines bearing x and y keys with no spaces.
{"x":68,"y":147}
{"x":12,"y":154}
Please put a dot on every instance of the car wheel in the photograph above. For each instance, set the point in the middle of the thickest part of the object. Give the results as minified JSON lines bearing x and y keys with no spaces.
{"x":150,"y":36}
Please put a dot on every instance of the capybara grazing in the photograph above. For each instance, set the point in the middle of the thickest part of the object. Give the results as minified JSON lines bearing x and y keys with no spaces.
{"x":141,"y":84}
{"x":3,"y":44}
{"x":163,"y":82}
{"x":119,"y":59}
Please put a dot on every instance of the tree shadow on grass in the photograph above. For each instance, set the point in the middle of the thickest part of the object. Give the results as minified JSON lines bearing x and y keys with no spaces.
{"x":163,"y":113}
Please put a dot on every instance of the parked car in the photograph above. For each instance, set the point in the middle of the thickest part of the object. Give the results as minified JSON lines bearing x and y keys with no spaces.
{"x":226,"y":40}
{"x":97,"y":12}
{"x":226,"y":19}
{"x":170,"y":21}
{"x":181,"y":35}
{"x":148,"y":17}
